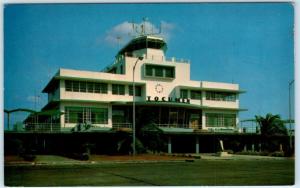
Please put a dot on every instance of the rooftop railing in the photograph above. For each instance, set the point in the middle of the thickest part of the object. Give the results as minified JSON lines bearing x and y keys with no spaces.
{"x":150,"y":57}
{"x":180,"y":60}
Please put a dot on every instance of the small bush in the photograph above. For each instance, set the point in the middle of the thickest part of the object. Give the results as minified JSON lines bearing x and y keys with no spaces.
{"x":229,"y":151}
{"x":277,"y":154}
{"x":80,"y":156}
{"x":28,"y":157}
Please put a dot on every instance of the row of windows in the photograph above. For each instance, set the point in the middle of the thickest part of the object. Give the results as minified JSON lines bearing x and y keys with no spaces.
{"x":86,"y":115}
{"x":220,"y":120}
{"x":194,"y":94}
{"x":119,"y":89}
{"x":220,"y":96}
{"x":93,"y":87}
{"x":217,"y":96}
{"x":82,"y":86}
{"x":160,"y":71}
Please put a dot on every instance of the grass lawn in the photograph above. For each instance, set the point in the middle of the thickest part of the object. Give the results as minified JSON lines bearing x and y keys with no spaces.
{"x":201,"y":172}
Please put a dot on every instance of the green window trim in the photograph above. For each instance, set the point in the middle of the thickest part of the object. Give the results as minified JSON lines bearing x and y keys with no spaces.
{"x":138,"y":91}
{"x":184,"y":93}
{"x":92,"y":115}
{"x":221,"y":96}
{"x":220,"y":120}
{"x":159,"y":71}
{"x":83,"y":86}
{"x":118,"y":89}
{"x":196,"y":95}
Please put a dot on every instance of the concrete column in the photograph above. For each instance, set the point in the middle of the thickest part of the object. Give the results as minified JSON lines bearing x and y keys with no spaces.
{"x":259,"y":147}
{"x":253,"y":148}
{"x":44,"y":144}
{"x":245,"y":147}
{"x":280,"y":148}
{"x":197,"y":144}
{"x":110,"y":115}
{"x":169,"y":145}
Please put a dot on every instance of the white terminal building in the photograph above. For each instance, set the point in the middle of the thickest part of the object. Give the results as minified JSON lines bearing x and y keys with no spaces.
{"x":163,"y":86}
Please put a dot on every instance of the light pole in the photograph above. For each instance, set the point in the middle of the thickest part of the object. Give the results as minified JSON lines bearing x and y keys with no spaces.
{"x":290,"y":113}
{"x":133,"y":105}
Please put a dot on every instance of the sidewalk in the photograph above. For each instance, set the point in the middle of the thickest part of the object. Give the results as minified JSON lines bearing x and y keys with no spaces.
{"x":143,"y":158}
{"x":94,"y":159}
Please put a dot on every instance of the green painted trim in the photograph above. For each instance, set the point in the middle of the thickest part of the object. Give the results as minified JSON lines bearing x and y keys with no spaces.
{"x":86,"y":101}
{"x":173,"y":104}
{"x":158,"y":77}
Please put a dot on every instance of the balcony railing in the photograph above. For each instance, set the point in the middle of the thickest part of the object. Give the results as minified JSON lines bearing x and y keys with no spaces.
{"x":43,"y":127}
{"x":122,"y":126}
{"x":183,"y":126}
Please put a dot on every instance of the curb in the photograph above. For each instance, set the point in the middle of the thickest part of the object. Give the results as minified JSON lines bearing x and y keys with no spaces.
{"x":32,"y":164}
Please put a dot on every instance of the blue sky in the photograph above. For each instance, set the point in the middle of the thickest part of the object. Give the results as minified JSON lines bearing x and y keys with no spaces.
{"x":246,"y":43}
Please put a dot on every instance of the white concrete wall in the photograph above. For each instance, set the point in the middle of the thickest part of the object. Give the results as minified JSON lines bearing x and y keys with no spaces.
{"x":220,"y":85}
{"x":220,"y":104}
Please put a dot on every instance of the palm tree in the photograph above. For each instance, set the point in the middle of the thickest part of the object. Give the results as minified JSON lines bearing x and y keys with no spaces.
{"x":270,"y":126}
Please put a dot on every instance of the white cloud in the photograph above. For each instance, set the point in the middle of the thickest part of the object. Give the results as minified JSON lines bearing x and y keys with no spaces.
{"x":122,"y":33}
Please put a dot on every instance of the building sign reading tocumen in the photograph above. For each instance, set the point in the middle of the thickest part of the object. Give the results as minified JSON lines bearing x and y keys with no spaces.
{"x":168,"y":99}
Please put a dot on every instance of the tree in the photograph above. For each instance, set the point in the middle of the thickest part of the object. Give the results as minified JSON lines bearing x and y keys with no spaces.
{"x":270,"y":127}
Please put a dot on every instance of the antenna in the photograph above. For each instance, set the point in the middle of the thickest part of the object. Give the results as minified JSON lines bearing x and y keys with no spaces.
{"x":119,"y":38}
{"x":159,"y":32}
{"x":141,"y":29}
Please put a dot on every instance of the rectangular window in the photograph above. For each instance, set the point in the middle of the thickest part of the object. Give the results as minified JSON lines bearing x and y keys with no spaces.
{"x":86,"y":114}
{"x":118,"y":89}
{"x":229,"y":120}
{"x":196,"y":95}
{"x":138,"y":91}
{"x":118,"y":116}
{"x":169,"y":72}
{"x":68,"y":85}
{"x":184,"y":93}
{"x":82,"y":86}
{"x":220,"y":96}
{"x":90,"y":87}
{"x":76,"y":86}
{"x":99,"y":115}
{"x":100,"y":88}
{"x":97,"y":88}
{"x":220,"y":120}
{"x":149,"y":71}
{"x":73,"y":115}
{"x":160,"y":71}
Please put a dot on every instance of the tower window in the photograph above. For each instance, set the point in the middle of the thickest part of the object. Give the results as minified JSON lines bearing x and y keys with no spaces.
{"x":159,"y":71}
